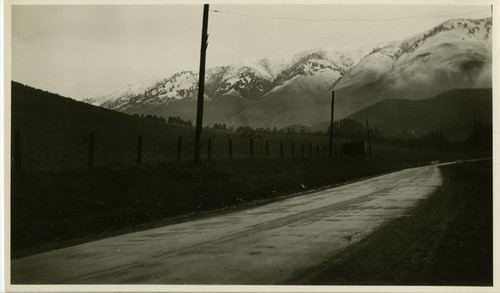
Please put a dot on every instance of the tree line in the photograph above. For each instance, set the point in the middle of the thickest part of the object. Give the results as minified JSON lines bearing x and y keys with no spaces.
{"x":480,"y":137}
{"x":170,"y":120}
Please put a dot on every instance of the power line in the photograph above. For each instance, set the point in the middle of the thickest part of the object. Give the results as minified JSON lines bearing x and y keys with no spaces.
{"x":342,"y":19}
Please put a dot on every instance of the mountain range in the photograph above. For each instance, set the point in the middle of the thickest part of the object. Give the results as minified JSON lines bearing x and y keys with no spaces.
{"x":266,"y":92}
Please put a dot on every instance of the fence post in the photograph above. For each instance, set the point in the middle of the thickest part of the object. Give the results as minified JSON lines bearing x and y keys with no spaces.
{"x":251,"y":148}
{"x":17,"y":150}
{"x":91,"y":150}
{"x":209,"y":152}
{"x":281,"y":150}
{"x":317,"y":150}
{"x":324,"y":151}
{"x":310,"y":150}
{"x":139,"y":149}
{"x":230,"y":149}
{"x":267,"y":149}
{"x":293,"y":149}
{"x":302,"y":150}
{"x":179,"y":148}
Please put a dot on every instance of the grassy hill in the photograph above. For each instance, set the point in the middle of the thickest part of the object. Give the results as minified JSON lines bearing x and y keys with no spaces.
{"x":452,"y":111}
{"x":55,"y":134}
{"x":34,"y":109}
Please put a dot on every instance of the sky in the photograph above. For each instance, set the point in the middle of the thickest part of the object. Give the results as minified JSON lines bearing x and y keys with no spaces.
{"x":84,"y":51}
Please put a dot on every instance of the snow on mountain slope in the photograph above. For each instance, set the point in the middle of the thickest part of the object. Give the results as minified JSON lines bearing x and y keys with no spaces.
{"x":128,"y":91}
{"x":245,"y":81}
{"x":299,"y":99}
{"x":269,"y":67}
{"x":299,"y":90}
{"x":369,"y":69}
{"x":180,"y":85}
{"x":249,"y":82}
{"x":455,"y":54}
{"x":291,"y":90}
{"x":418,"y":58}
{"x":251,"y":79}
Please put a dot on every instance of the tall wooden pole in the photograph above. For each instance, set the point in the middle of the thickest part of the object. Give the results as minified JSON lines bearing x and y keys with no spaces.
{"x":331,"y":124}
{"x":201,"y":85}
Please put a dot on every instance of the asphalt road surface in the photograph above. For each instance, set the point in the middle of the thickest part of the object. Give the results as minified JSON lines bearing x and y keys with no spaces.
{"x":261,"y":245}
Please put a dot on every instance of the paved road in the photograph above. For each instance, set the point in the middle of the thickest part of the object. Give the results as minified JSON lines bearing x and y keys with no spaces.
{"x":261,"y":245}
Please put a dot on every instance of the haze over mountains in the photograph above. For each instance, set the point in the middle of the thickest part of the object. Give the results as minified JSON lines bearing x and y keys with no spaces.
{"x":264,"y":92}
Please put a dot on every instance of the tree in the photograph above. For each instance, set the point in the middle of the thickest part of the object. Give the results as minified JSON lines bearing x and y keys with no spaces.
{"x":178,"y":121}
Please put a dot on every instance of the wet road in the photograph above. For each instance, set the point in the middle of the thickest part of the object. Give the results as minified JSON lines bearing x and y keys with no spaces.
{"x":261,"y":245}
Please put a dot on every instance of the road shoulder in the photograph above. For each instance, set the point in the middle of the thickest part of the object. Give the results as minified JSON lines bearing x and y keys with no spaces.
{"x":445,"y":240}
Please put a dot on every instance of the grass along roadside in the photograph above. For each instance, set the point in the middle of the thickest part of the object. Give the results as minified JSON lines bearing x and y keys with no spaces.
{"x":446,"y":240}
{"x":50,"y":210}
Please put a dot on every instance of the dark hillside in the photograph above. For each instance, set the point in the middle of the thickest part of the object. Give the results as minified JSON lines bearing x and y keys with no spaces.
{"x":38,"y":110}
{"x":452,"y":111}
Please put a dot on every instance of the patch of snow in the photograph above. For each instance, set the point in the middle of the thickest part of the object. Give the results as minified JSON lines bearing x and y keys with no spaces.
{"x":409,"y":60}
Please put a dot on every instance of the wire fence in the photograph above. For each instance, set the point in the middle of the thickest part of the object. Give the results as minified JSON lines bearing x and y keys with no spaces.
{"x":49,"y":151}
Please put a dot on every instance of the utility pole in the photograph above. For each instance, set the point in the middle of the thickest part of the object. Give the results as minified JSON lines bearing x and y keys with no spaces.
{"x":331,"y":124}
{"x":201,"y":85}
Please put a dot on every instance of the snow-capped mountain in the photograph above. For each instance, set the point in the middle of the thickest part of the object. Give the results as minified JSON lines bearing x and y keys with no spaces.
{"x":250,"y":79}
{"x":127,"y":92}
{"x":455,"y":54}
{"x":295,"y":90}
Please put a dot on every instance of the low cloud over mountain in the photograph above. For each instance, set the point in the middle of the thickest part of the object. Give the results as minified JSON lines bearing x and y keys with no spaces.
{"x":269,"y":92}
